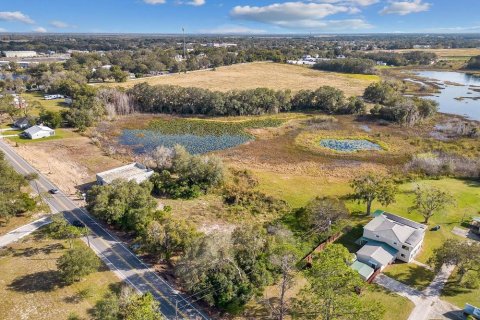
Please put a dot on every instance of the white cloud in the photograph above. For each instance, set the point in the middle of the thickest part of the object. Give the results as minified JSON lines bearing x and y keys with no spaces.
{"x":154,"y":1}
{"x":406,"y":7}
{"x":59,"y":24}
{"x":288,"y":11}
{"x":3,"y":30}
{"x":304,"y":15}
{"x":15,"y":16}
{"x":195,"y":3}
{"x":327,"y":25}
{"x":40,"y":30}
{"x":233,"y":29}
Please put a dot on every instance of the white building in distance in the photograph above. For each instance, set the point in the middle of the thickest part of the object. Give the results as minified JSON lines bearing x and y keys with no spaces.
{"x":134,"y":171}
{"x":19,"y":54}
{"x":38,"y":132}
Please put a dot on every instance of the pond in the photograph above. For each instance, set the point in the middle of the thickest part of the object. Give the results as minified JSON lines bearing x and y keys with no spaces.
{"x":143,"y":141}
{"x":349,"y":145}
{"x":459,"y":92}
{"x":197,"y":136}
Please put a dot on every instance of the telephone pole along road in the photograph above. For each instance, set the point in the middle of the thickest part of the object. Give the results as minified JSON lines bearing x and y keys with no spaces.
{"x":109,"y":248}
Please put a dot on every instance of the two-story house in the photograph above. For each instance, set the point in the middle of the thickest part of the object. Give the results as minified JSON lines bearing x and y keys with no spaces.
{"x":388,"y":237}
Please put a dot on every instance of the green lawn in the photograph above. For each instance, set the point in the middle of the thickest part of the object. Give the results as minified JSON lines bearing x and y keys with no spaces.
{"x":456,"y":293}
{"x":410,"y":274}
{"x":59,"y":134}
{"x":52,"y":105}
{"x":396,"y":307}
{"x":298,"y":190}
{"x":9,"y":132}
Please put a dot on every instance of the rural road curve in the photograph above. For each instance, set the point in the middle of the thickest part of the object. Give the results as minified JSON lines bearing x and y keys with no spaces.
{"x":123,"y":262}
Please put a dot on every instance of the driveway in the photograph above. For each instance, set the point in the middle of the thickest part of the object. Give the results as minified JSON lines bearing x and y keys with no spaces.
{"x":23,"y":231}
{"x":427,"y":302}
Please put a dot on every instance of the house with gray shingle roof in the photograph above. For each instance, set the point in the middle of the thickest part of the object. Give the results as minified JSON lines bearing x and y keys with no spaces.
{"x":388,"y":237}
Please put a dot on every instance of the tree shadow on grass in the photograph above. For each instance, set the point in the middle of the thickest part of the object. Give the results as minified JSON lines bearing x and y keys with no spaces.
{"x":32,"y":251}
{"x":453,"y":287}
{"x":43,"y":281}
{"x":415,"y":276}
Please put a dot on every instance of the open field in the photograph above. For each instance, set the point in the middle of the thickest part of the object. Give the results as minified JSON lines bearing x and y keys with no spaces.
{"x":447,"y":53}
{"x":37,"y":97}
{"x":30,"y":287}
{"x":69,"y":163}
{"x":255,"y":75}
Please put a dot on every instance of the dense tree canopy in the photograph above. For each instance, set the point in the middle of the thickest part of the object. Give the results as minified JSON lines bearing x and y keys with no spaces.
{"x":331,"y":290}
{"x":125,"y":204}
{"x":13,"y":199}
{"x":350,"y":65}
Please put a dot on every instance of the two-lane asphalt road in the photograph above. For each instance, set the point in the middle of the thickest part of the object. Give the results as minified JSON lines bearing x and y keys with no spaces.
{"x":109,"y":248}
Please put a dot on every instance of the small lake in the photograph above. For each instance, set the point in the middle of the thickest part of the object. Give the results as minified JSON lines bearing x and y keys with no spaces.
{"x":462,"y":99}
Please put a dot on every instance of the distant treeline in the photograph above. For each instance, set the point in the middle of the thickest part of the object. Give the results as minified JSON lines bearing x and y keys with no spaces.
{"x":180,"y":100}
{"x":401,"y":59}
{"x":350,"y":65}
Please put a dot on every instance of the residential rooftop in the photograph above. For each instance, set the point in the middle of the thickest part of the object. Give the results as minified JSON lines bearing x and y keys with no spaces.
{"x":393,"y":226}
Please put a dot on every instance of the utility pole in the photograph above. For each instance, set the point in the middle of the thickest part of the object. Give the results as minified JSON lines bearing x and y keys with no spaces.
{"x":176,"y":309}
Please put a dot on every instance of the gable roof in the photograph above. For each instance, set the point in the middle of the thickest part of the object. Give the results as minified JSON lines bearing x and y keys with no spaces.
{"x":36,"y":129}
{"x":21,"y":121}
{"x":378,"y":251}
{"x":393,"y":227}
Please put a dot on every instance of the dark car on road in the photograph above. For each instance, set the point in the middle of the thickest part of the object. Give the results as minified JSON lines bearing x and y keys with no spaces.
{"x":78,"y":224}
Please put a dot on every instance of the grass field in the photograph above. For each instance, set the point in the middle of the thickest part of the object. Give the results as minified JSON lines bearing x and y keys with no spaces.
{"x":30,"y":287}
{"x":457,"y":294}
{"x":37,"y":97}
{"x":264,"y":74}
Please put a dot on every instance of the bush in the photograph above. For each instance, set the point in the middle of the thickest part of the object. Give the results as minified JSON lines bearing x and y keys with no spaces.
{"x":474,"y":63}
{"x":189,"y":175}
{"x":361,"y":66}
{"x":471,"y":279}
{"x":77,"y":263}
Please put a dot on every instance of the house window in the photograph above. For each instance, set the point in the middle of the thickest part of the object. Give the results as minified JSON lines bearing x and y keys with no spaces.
{"x":405,"y":248}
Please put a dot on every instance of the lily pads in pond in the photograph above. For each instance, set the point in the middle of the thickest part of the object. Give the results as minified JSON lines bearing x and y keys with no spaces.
{"x":349,"y":145}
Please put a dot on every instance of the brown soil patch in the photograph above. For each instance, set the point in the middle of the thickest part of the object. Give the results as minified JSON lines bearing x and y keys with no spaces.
{"x":68,"y":163}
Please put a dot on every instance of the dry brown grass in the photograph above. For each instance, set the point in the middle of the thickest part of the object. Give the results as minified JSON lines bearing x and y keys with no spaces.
{"x":68,"y":162}
{"x":262,"y":74}
{"x":30,"y":286}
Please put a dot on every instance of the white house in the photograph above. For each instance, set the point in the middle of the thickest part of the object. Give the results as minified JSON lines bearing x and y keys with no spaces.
{"x":133,"y":171}
{"x":38,"y":132}
{"x":53,"y":96}
{"x":388,"y":237}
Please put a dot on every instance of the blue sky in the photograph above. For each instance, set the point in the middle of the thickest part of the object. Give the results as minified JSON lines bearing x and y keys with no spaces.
{"x":240,"y":16}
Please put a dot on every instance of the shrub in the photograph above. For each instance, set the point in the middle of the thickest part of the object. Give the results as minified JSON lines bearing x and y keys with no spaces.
{"x":77,"y":263}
